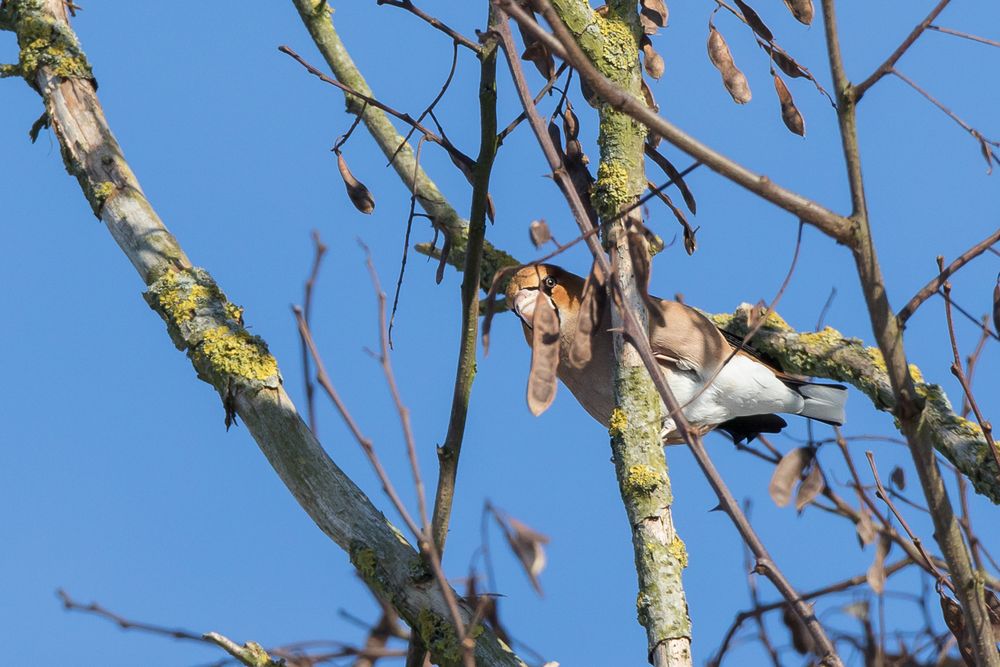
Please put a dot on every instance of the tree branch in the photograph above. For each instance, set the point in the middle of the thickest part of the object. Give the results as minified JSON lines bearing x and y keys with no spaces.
{"x":203,"y":322}
{"x":886,"y":67}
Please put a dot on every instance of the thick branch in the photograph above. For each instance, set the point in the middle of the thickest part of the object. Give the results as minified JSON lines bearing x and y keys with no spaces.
{"x":203,"y":322}
{"x":831,"y":355}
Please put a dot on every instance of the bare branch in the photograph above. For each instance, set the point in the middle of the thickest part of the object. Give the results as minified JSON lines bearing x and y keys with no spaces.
{"x":458,"y":37}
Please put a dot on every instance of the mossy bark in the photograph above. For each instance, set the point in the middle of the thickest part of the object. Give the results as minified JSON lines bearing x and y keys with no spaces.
{"x":611,"y":42}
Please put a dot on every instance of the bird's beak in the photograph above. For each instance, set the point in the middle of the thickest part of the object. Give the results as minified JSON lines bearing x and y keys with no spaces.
{"x":524,"y":304}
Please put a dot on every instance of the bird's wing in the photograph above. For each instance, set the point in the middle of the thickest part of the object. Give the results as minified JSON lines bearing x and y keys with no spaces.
{"x":687,"y":339}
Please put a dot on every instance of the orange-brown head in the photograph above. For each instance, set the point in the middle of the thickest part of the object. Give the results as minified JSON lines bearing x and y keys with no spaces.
{"x":562,"y":288}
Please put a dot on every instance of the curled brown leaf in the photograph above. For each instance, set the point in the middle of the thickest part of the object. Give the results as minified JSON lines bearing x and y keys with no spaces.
{"x":787,"y":473}
{"x":359,"y":195}
{"x":544,"y":355}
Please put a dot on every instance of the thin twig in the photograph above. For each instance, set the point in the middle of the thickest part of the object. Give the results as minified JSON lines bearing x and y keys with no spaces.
{"x":458,"y":37}
{"x":307,"y":314}
{"x":890,"y":62}
{"x":964,"y":35}
{"x":430,"y":107}
{"x":937,"y":281}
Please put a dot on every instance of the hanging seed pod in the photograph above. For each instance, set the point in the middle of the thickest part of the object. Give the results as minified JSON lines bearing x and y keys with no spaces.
{"x":536,"y":52}
{"x":653,"y":15}
{"x":647,"y":95}
{"x":360,"y":196}
{"x":671,"y":171}
{"x":754,"y":21}
{"x":539,"y":232}
{"x":785,"y":62}
{"x":642,"y":269}
{"x":588,"y":93}
{"x":722,"y":58}
{"x":787,"y":473}
{"x":589,"y":319}
{"x":571,"y":128}
{"x":802,"y":10}
{"x":789,"y":113}
{"x":544,"y":355}
{"x":651,"y":60}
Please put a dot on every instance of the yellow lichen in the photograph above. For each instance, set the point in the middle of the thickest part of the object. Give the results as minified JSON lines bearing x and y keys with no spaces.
{"x":233,"y":312}
{"x":181,"y":302}
{"x":875,"y":356}
{"x":916,"y":374}
{"x":678,"y":550}
{"x":821,"y":340}
{"x":618,"y":47}
{"x":618,"y":423}
{"x":642,"y":479}
{"x":236,"y":352}
{"x":103,"y":190}
{"x":364,"y":560}
{"x":611,"y":191}
{"x":46,"y":43}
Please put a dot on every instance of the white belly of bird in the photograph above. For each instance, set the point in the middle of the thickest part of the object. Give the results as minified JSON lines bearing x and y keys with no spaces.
{"x":742,"y":388}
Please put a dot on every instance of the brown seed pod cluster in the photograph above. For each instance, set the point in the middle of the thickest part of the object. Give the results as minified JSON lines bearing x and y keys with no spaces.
{"x":359,"y":194}
{"x":802,"y":10}
{"x":722,"y":58}
{"x":653,"y":15}
{"x":789,"y":112}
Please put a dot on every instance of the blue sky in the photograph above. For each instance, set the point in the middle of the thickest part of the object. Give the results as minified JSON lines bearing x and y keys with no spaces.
{"x":118,"y":481}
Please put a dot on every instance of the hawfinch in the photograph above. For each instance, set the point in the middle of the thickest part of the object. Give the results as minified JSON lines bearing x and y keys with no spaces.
{"x":742,"y":395}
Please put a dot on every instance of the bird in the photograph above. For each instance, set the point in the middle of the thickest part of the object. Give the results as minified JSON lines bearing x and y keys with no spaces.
{"x":719,"y":382}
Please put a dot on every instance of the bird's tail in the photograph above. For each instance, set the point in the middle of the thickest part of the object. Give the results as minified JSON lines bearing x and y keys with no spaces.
{"x":824,"y":402}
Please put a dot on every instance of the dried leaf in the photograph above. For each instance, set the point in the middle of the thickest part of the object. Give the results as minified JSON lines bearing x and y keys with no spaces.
{"x":787,"y":473}
{"x":589,"y":318}
{"x":527,"y":544}
{"x":537,"y":53}
{"x":359,"y":195}
{"x":898,"y":478}
{"x":802,"y":641}
{"x":996,"y":306}
{"x":876,"y":572}
{"x":802,"y":10}
{"x":722,"y":58}
{"x":539,"y":232}
{"x":651,"y":60}
{"x":674,"y":175}
{"x":653,"y":15}
{"x":500,"y":279}
{"x":755,"y":22}
{"x":955,"y":621}
{"x":443,"y":261}
{"x":789,"y":113}
{"x":544,"y":355}
{"x":865,"y":528}
{"x":810,"y":487}
{"x":647,"y":95}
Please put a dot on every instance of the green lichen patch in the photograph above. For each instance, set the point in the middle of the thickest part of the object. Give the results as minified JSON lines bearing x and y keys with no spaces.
{"x":202,"y":321}
{"x":642,"y":479}
{"x":46,"y":43}
{"x":440,"y":638}
{"x":678,"y":551}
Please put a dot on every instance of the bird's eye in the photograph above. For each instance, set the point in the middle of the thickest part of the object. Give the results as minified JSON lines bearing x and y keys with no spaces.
{"x":549,"y":282}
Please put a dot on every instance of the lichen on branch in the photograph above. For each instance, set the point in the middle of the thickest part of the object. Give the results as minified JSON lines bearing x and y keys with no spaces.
{"x":831,"y":355}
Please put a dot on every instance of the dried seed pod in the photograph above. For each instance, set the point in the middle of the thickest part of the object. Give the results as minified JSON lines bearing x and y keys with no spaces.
{"x":651,"y":60}
{"x":588,"y":93}
{"x":754,"y":21}
{"x":360,"y":195}
{"x":787,"y":473}
{"x":865,"y":528}
{"x":955,"y":620}
{"x":539,"y":232}
{"x":898,"y":478}
{"x":528,"y":545}
{"x":996,"y":305}
{"x":802,"y":640}
{"x":443,"y":261}
{"x":571,"y":127}
{"x":789,"y":113}
{"x":647,"y":94}
{"x":690,"y":244}
{"x":653,"y":15}
{"x":642,"y":269}
{"x":876,"y":572}
{"x":785,"y":62}
{"x":544,"y":355}
{"x":674,"y":175}
{"x":802,"y":10}
{"x":500,"y":279}
{"x":536,"y":52}
{"x":810,"y":487}
{"x":589,"y":319}
{"x":722,"y":58}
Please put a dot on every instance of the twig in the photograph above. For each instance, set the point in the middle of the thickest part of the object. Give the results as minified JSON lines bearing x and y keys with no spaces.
{"x":956,"y":370}
{"x":125,"y":624}
{"x":836,"y":226}
{"x":306,"y":313}
{"x":251,"y":654}
{"x":512,"y":125}
{"x":890,"y":62}
{"x":937,"y":281}
{"x":986,"y":145}
{"x":458,"y":37}
{"x":882,"y":495}
{"x":764,"y":563}
{"x":406,"y":239}
{"x":964,"y":35}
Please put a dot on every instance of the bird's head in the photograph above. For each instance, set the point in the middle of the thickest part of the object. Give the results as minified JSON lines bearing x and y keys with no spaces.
{"x":562,"y":288}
